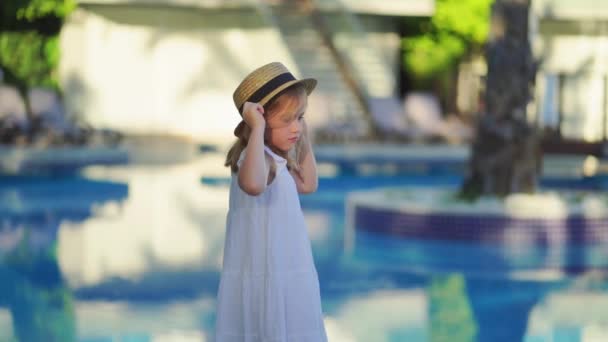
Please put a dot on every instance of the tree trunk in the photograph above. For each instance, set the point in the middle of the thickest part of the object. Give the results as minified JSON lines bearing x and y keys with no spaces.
{"x":506,"y":152}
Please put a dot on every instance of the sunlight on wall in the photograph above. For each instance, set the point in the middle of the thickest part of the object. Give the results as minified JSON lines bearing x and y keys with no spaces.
{"x":582,"y":101}
{"x":568,"y":9}
{"x":580,"y":60}
{"x":144,"y":70}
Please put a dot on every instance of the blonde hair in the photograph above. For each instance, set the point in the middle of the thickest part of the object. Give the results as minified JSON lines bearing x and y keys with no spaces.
{"x":289,"y":97}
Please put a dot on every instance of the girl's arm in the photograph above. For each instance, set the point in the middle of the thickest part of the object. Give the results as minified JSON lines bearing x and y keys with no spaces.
{"x":253,"y":172}
{"x":307,"y":180}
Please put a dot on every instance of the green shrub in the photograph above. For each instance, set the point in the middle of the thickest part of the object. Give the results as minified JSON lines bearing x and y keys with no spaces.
{"x":458,"y":27}
{"x":29,"y":41}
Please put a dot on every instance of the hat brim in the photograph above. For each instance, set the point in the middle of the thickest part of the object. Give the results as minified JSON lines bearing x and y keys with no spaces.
{"x":308,"y":83}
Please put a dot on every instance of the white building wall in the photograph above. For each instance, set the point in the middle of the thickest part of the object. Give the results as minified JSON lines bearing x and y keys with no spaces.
{"x":372,"y":45}
{"x":570,"y":38}
{"x":572,"y":83}
{"x":154,"y":70}
{"x":569,"y":9}
{"x":573,"y":53}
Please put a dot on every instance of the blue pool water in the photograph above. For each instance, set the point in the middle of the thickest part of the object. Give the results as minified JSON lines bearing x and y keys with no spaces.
{"x":133,"y":253}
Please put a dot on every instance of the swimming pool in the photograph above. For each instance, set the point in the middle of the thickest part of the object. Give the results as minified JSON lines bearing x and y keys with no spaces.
{"x":133,"y":253}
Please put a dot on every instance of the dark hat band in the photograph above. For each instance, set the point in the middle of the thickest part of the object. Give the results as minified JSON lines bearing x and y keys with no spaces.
{"x":267,"y":88}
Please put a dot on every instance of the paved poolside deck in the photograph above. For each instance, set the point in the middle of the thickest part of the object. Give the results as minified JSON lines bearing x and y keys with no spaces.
{"x":345,"y":157}
{"x":453,"y":156}
{"x":392,"y":152}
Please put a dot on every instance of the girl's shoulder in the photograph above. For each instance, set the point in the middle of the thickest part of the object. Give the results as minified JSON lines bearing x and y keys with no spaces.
{"x":275,"y":157}
{"x":271,"y":157}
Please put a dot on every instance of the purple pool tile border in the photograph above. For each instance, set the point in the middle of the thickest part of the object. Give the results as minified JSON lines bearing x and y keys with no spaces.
{"x":484,"y":228}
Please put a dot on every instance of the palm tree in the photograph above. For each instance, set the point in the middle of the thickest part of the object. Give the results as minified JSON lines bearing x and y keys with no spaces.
{"x":506,"y":151}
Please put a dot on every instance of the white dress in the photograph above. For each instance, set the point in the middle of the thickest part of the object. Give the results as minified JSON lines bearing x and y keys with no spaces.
{"x":269,"y":287}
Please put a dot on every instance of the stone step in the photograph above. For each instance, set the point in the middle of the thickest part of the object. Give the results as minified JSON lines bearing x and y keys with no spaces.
{"x":314,"y":59}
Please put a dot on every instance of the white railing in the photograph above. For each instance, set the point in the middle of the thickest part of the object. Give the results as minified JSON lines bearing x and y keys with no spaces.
{"x":569,"y":9}
{"x":385,"y":7}
{"x":203,"y":4}
{"x":390,"y":7}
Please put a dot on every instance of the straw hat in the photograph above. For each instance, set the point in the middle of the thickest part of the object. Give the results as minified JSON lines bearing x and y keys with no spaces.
{"x":265,"y":82}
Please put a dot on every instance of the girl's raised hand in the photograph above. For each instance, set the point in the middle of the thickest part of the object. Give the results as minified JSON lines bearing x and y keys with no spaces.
{"x":253,"y":114}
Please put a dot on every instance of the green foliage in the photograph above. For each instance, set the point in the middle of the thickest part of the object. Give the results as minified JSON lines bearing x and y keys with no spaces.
{"x":40,"y":302}
{"x":456,"y":28}
{"x":43,"y":313}
{"x":29,"y":41}
{"x":469,"y":19}
{"x":40,"y":8}
{"x":30,"y":10}
{"x":451,"y":316}
{"x":429,"y":55}
{"x":30,"y":58}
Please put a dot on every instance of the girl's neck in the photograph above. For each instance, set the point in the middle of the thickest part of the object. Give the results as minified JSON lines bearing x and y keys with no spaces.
{"x":277,"y":151}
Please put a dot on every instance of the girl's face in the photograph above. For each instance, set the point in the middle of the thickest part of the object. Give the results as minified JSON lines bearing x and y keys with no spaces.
{"x":285,"y":122}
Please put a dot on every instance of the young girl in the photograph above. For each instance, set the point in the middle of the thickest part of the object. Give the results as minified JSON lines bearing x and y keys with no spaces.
{"x":269,"y":288}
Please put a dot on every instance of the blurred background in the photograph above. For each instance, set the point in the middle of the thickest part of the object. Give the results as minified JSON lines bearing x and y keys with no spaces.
{"x":461,"y":147}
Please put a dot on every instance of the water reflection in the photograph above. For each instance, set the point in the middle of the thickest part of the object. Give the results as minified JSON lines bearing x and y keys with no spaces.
{"x":451,"y":316}
{"x":578,"y":312}
{"x":134,"y":253}
{"x":33,"y":289}
{"x":32,"y":286}
{"x":380,"y":315}
{"x":466,"y":304}
{"x":167,"y":223}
